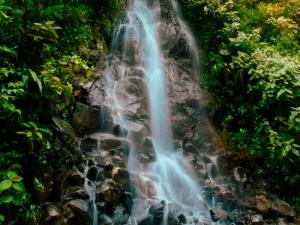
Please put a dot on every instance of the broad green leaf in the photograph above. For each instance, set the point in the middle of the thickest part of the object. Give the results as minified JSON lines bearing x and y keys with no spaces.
{"x":19,"y":187}
{"x":19,"y":199}
{"x":2,"y":218}
{"x":38,"y":184}
{"x":5,"y":184}
{"x":36,"y":79}
{"x":6,"y":199}
{"x":296,"y":152}
{"x":10,"y":174}
{"x":28,"y":134}
{"x":39,"y":135}
{"x":17,"y":178}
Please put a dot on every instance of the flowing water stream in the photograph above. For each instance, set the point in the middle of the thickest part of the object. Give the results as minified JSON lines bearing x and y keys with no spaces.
{"x":165,"y":180}
{"x":150,"y":154}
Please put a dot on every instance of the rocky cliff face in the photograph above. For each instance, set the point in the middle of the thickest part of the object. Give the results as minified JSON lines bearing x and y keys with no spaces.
{"x":98,"y":190}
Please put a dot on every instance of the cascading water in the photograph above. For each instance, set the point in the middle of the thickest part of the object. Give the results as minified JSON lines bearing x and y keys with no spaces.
{"x":166,"y":179}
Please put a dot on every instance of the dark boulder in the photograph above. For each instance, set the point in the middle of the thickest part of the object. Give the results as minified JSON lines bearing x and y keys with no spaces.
{"x":257,"y":219}
{"x":218,"y":214}
{"x":92,"y":173}
{"x":261,"y":203}
{"x":86,"y":118}
{"x":145,"y":220}
{"x":282,"y":208}
{"x":121,"y":177}
{"x":52,"y":213}
{"x":64,"y":127}
{"x":157,"y":211}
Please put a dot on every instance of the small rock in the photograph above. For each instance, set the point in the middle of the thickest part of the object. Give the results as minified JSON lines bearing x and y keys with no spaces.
{"x":182,"y":219}
{"x":64,"y":127}
{"x":105,"y":220}
{"x":218,"y":214}
{"x":157,"y":211}
{"x":262,"y":203}
{"x":79,"y":205}
{"x":115,"y":143}
{"x":280,"y":221}
{"x":146,"y":151}
{"x":145,"y":220}
{"x":86,"y":118}
{"x":74,"y":179}
{"x":240,"y":174}
{"x":172,"y":219}
{"x":78,"y":193}
{"x":282,"y":208}
{"x":109,"y":193}
{"x":120,"y":217}
{"x":76,"y":212}
{"x":121,"y":177}
{"x":88,"y":144}
{"x":92,"y":173}
{"x":257,"y":219}
{"x":119,"y":131}
{"x":80,"y":92}
{"x":52,"y":213}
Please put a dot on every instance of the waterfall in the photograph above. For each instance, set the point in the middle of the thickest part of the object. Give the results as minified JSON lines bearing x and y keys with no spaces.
{"x":164,"y":180}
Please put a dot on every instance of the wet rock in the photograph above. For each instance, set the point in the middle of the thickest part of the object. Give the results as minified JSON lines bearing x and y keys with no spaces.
{"x":105,"y":220}
{"x":180,"y":49}
{"x":257,"y":219}
{"x":145,"y":220}
{"x":213,"y":171}
{"x":52,"y":214}
{"x":280,"y":221}
{"x":297,"y":219}
{"x":78,"y":205}
{"x":262,"y":204}
{"x":172,"y":219}
{"x":182,"y":219}
{"x":108,"y":168}
{"x":218,"y":214}
{"x":240,"y":174}
{"x":119,"y":131}
{"x":92,"y":173}
{"x":121,"y":177}
{"x":86,"y":118}
{"x":146,"y":151}
{"x":120,"y":216}
{"x":132,"y":53}
{"x":77,"y":193}
{"x":157,"y":211}
{"x":206,"y":159}
{"x":88,"y":144}
{"x":189,"y":146}
{"x":109,"y":193}
{"x":64,"y":127}
{"x":114,"y":144}
{"x":76,"y":213}
{"x":74,"y":179}
{"x":282,"y":208}
{"x":80,"y":92}
{"x":166,"y":10}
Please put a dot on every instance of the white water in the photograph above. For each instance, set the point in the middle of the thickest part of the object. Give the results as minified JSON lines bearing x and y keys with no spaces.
{"x":90,"y":188}
{"x":167,"y":178}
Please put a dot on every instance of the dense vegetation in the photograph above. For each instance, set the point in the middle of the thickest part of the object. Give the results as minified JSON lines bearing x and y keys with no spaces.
{"x":45,"y":48}
{"x":252,"y":67}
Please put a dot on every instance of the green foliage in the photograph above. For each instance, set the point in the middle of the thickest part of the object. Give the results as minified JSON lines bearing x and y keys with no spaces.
{"x":45,"y":47}
{"x":12,"y":191}
{"x":253,"y":70}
